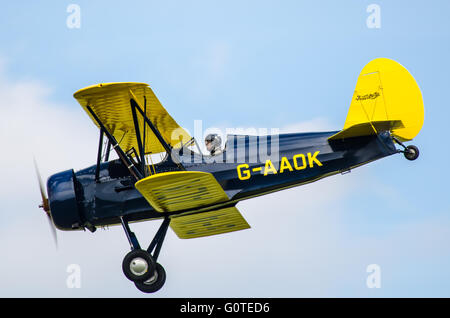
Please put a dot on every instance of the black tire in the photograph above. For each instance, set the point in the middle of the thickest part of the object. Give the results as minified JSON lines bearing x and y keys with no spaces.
{"x":155,"y":283}
{"x":411,"y":152}
{"x":138,"y":265}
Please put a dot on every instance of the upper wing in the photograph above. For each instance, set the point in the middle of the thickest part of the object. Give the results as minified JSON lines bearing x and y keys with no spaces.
{"x":111,"y":104}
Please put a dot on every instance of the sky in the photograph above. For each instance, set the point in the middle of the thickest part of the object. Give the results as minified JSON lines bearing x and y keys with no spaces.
{"x":290,"y":65}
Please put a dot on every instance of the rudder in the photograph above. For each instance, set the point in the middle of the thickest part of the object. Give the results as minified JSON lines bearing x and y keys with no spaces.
{"x":386,"y":96}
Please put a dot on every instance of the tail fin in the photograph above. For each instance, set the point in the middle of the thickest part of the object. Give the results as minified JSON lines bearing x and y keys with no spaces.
{"x":386,"y":97}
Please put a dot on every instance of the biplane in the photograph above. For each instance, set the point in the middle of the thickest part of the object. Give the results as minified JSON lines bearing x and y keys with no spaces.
{"x":196,"y":193}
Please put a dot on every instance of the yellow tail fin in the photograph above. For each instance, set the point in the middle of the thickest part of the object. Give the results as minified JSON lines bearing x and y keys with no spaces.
{"x":386,"y":95}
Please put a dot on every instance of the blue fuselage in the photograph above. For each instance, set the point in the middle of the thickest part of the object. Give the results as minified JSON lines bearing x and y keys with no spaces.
{"x":249,"y":166}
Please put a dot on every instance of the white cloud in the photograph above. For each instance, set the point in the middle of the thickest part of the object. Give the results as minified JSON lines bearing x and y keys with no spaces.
{"x":299,"y":244}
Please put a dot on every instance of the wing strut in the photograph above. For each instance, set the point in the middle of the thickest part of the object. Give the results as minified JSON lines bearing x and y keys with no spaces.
{"x":138,"y":135}
{"x":99,"y":156}
{"x":167,"y":147}
{"x":128,"y":163}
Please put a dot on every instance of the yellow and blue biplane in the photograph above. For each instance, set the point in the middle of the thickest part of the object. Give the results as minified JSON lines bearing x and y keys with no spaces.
{"x":196,"y":193}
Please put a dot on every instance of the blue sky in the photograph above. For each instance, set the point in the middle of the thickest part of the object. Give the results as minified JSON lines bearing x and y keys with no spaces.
{"x":233,"y":64}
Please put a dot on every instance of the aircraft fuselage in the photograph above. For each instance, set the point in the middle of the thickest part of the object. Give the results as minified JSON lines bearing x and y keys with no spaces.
{"x":249,"y":166}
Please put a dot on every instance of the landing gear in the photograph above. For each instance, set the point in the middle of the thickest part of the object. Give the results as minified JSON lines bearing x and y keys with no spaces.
{"x":410,"y":152}
{"x":155,"y":282}
{"x":139,"y":265}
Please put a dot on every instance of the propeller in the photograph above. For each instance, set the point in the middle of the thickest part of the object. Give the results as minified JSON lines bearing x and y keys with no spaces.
{"x":44,"y":205}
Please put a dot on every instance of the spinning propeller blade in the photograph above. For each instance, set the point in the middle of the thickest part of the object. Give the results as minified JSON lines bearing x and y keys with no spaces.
{"x":45,"y":206}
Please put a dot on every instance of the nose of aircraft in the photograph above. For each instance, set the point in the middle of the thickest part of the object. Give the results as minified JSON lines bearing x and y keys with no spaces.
{"x":62,"y":197}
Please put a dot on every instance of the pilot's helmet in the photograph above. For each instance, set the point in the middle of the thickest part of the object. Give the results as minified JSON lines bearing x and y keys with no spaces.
{"x":213,"y":142}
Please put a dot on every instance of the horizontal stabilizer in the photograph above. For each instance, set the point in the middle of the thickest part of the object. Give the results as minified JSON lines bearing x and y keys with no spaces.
{"x":208,"y":223}
{"x":181,"y":190}
{"x":367,"y":129}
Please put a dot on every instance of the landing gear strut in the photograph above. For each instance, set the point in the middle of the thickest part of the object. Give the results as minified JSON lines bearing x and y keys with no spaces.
{"x":410,"y":152}
{"x":140,"y":265}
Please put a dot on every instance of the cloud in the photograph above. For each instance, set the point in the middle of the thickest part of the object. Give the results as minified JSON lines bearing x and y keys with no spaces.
{"x":61,"y":137}
{"x":300,"y":243}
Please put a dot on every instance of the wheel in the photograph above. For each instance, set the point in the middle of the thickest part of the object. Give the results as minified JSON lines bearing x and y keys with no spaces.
{"x":138,"y":265}
{"x":411,"y":152}
{"x":155,"y":282}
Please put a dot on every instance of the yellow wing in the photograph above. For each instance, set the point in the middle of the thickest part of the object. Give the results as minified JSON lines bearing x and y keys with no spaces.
{"x":208,"y":223}
{"x":181,"y":190}
{"x":111,"y":103}
{"x":190,"y":191}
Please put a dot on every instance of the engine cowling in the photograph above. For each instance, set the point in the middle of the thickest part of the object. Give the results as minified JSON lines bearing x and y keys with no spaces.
{"x":64,"y":201}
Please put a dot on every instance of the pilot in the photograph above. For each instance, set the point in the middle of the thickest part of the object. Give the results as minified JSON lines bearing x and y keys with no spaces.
{"x":212,"y":143}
